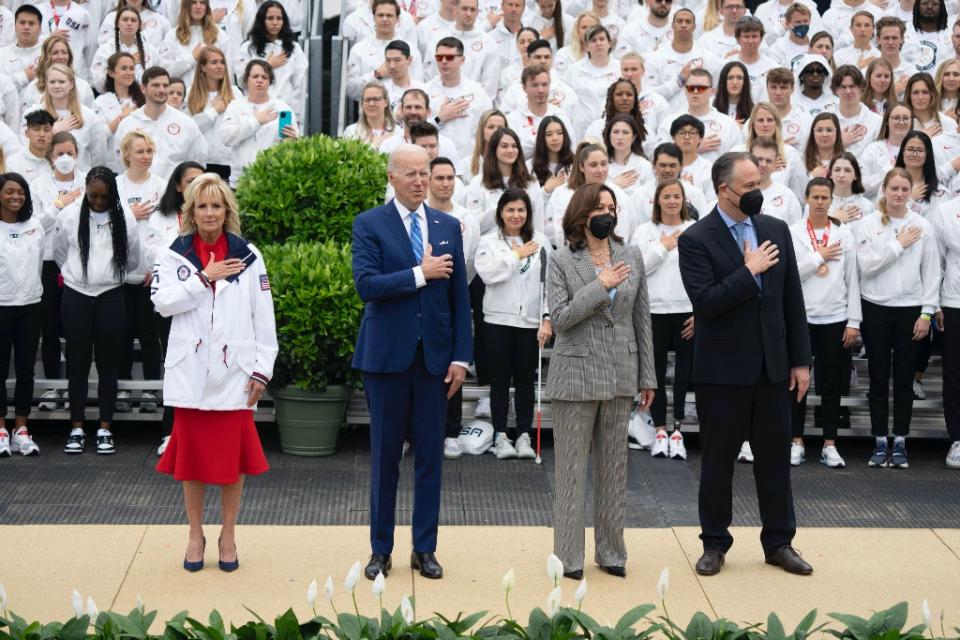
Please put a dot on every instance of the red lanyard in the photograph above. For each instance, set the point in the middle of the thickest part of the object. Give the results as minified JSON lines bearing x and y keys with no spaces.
{"x":813,"y":235}
{"x":56,"y":18}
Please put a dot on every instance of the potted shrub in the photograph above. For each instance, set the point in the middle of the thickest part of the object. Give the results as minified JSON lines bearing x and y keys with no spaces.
{"x":317,"y":313}
{"x":310,"y":189}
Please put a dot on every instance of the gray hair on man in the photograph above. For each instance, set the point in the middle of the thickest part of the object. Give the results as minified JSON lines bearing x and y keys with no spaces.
{"x":404,"y":150}
{"x":722,"y":171}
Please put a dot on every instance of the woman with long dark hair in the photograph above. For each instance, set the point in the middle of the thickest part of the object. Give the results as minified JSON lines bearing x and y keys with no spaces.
{"x":733,"y":97}
{"x":622,"y":99}
{"x":917,"y":157}
{"x":163,"y":228}
{"x":97,"y":245}
{"x":503,"y":167}
{"x":922,"y":99}
{"x":127,"y":37}
{"x":509,"y":261}
{"x":271,"y":39}
{"x":899,"y":285}
{"x":554,"y":25}
{"x":879,"y":156}
{"x":629,"y":168}
{"x":21,"y":261}
{"x":823,"y":144}
{"x":552,"y":155}
{"x":122,"y":94}
{"x":849,"y":204}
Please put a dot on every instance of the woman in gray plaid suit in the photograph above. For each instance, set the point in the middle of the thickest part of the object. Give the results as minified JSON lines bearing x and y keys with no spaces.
{"x":603,"y":355}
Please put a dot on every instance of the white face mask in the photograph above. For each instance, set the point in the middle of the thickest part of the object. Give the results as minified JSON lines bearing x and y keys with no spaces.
{"x":65,"y":163}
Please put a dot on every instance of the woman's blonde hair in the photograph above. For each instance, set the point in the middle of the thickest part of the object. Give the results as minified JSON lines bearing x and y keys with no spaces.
{"x":711,"y":17}
{"x":633,"y":55}
{"x":576,"y":46}
{"x":476,"y":158}
{"x":208,"y":185}
{"x":896,"y":172}
{"x":129,"y":140}
{"x":45,"y":62}
{"x":364,"y":130}
{"x":210,"y":28}
{"x":73,"y":102}
{"x":199,"y":93}
{"x":777,"y":135}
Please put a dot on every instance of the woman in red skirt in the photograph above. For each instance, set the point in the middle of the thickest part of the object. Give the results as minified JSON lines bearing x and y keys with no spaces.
{"x":223,"y":341}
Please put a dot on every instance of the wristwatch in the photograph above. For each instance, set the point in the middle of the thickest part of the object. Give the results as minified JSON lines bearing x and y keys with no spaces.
{"x":438,"y":121}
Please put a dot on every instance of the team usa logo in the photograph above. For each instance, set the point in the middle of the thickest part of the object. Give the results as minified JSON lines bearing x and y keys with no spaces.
{"x":183,"y":273}
{"x":778,"y":201}
{"x":173,"y":129}
{"x":715,"y":126}
{"x":793,"y":128}
{"x":477,"y":45}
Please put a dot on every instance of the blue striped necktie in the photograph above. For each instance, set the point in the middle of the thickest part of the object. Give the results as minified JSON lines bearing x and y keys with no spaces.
{"x":416,"y":239}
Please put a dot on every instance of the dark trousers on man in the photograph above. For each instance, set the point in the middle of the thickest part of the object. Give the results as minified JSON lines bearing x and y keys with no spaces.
{"x":412,"y":403}
{"x":951,"y":371}
{"x":730,"y":414}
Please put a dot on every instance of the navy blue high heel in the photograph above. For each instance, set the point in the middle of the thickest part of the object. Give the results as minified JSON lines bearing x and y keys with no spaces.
{"x":227,"y":566}
{"x":195,"y":566}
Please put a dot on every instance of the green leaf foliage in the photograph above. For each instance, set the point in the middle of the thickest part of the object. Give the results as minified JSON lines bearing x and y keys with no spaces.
{"x":317,"y":312}
{"x":310,"y":189}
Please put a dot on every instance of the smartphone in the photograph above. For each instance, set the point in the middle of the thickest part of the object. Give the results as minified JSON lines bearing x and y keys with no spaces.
{"x":285,"y":119}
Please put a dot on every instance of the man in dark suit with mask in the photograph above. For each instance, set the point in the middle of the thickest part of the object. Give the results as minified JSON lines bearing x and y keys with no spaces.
{"x":751,"y":350}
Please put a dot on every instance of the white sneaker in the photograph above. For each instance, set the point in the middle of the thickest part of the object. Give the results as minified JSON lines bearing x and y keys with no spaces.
{"x":918,"y":392}
{"x":640,"y":431}
{"x":452,"y":449}
{"x":661,"y":445}
{"x":798,"y":454}
{"x":671,"y":371}
{"x":524,"y":450}
{"x":105,"y":445}
{"x":677,"y":450}
{"x":830,"y":457}
{"x":75,"y":441}
{"x":690,"y":413}
{"x":482,"y":410}
{"x":953,"y":456}
{"x":502,"y":447}
{"x":23,"y":444}
{"x":148,"y":403}
{"x":746,"y":453}
{"x":49,"y":400}
{"x":122,"y":395}
{"x":4,"y":443}
{"x":163,"y":445}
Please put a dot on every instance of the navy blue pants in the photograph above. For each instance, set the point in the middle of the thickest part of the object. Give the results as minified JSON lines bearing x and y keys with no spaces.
{"x":413,"y":404}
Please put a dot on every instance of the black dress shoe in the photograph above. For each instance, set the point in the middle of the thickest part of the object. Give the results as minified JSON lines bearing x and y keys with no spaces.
{"x":427,"y":564}
{"x":710,"y":562}
{"x":378,"y":563}
{"x":620,"y":572}
{"x":574,"y":575}
{"x":788,"y":559}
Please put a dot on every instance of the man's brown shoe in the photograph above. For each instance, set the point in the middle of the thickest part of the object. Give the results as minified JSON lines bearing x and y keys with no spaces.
{"x":710,"y":562}
{"x":788,"y":559}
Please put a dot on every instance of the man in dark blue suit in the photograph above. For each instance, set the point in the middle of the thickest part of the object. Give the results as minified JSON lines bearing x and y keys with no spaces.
{"x":751,"y":349}
{"x":414,"y":347}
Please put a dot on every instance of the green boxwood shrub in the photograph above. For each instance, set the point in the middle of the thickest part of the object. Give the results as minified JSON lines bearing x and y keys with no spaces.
{"x":317,"y":311}
{"x":310,"y":189}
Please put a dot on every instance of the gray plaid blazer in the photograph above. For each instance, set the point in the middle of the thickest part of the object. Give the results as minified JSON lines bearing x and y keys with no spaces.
{"x":603,"y":349}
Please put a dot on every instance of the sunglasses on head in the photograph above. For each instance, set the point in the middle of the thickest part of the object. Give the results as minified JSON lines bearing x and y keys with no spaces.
{"x":445,"y":57}
{"x":697,"y":88}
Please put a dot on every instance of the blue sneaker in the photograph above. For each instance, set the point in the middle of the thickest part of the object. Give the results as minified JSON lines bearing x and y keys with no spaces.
{"x":881,"y":455}
{"x":898,"y":459}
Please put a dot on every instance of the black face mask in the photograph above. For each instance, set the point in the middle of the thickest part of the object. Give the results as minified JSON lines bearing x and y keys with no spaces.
{"x":602,"y":225}
{"x":750,"y":202}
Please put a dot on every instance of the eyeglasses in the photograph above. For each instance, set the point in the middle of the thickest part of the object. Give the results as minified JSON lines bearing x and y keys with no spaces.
{"x":697,"y":88}
{"x":373,"y":100}
{"x":445,"y":57}
{"x":914,"y":151}
{"x":688,"y":133}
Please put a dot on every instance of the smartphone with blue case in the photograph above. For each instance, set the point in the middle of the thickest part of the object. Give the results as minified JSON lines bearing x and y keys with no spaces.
{"x":285,"y":119}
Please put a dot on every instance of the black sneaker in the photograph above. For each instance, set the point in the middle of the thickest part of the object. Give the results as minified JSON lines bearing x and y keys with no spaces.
{"x":75,"y":442}
{"x":105,"y":442}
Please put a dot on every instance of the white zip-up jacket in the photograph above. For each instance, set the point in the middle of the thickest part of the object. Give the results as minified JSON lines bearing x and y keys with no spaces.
{"x":162,"y":230}
{"x":892,"y":276}
{"x":220,"y":337}
{"x":837,"y":293}
{"x":512,"y":296}
{"x":482,"y":202}
{"x":662,"y":268}
{"x":44,"y":192}
{"x":21,"y":260}
{"x":243,"y":134}
{"x":946,"y":223}
{"x":100,"y":276}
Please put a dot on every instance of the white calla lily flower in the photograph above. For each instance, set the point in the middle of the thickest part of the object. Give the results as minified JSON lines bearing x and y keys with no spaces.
{"x":312,"y":593}
{"x":663,"y":583}
{"x":553,"y":602}
{"x":350,"y":583}
{"x":581,"y":592}
{"x":77,"y":601}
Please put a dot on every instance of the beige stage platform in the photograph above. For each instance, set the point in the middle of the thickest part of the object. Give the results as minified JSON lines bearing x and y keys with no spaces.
{"x":857,"y":571}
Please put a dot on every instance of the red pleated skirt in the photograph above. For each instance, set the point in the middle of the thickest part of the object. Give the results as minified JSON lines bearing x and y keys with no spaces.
{"x":213,"y":447}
